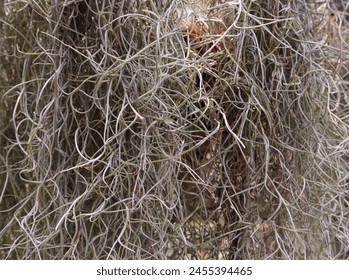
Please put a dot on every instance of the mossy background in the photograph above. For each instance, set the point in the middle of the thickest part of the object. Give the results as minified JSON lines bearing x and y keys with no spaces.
{"x":148,"y":129}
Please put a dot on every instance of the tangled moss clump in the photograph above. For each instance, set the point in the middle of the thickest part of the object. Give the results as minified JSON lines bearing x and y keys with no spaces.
{"x":152,"y":129}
